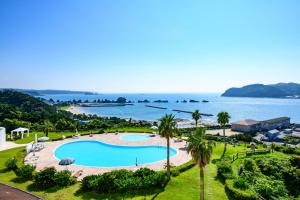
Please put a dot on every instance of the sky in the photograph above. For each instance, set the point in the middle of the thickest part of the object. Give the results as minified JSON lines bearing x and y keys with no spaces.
{"x":144,"y":46}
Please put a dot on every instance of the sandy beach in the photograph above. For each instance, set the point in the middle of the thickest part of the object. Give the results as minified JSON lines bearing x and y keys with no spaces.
{"x":74,"y":109}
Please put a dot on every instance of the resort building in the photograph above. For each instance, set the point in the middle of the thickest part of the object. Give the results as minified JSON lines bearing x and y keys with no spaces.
{"x":250,"y":125}
{"x":2,"y":137}
{"x":247,"y":125}
{"x":275,"y":123}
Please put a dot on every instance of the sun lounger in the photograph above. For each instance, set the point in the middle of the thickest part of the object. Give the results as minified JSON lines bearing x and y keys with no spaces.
{"x":76,"y":136}
{"x":77,"y":174}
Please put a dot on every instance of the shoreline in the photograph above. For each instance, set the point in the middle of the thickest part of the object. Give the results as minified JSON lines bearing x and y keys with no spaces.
{"x":74,"y":110}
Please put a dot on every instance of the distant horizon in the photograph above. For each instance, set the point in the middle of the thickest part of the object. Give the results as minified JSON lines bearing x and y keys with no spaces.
{"x":124,"y":92}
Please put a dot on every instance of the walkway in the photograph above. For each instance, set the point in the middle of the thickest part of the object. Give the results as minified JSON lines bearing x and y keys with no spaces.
{"x":11,"y":145}
{"x":12,"y":193}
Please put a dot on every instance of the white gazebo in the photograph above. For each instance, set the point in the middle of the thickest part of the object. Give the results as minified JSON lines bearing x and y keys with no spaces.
{"x":2,"y":137}
{"x":19,"y":131}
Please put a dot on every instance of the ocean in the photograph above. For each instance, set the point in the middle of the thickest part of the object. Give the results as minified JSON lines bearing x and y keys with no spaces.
{"x":238,"y":108}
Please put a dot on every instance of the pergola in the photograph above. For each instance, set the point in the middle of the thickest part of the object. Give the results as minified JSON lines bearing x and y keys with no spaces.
{"x":19,"y":131}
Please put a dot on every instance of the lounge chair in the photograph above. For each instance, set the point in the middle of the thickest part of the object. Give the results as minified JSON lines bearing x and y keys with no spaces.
{"x":77,"y":174}
{"x":76,"y":136}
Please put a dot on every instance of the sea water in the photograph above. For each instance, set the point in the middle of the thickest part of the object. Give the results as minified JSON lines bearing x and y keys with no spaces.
{"x":238,"y":108}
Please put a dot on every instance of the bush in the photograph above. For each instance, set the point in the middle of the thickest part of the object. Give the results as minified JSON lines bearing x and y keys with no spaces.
{"x":237,"y":194}
{"x":11,"y":164}
{"x":64,"y":178}
{"x":249,"y":165}
{"x":124,"y":180}
{"x":295,"y":161}
{"x":185,"y":166}
{"x":25,"y":172}
{"x":175,"y":172}
{"x":270,"y":189}
{"x":224,"y":169}
{"x":90,"y":182}
{"x":45,"y":178}
{"x":291,"y":177}
{"x":241,"y":183}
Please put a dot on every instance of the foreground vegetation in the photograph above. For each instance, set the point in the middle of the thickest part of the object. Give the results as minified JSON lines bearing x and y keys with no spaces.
{"x":184,"y":186}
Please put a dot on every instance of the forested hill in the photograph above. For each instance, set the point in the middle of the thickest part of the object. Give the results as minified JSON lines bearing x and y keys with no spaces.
{"x":19,"y":109}
{"x":280,"y":90}
{"x":22,"y":110}
{"x":48,"y":92}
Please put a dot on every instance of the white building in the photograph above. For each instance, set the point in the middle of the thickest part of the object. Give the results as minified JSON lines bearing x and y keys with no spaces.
{"x":2,"y":137}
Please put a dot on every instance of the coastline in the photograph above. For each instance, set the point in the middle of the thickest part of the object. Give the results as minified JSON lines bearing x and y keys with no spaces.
{"x":74,"y":110}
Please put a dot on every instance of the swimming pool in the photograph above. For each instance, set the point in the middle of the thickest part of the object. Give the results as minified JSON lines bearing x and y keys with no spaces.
{"x":97,"y":154}
{"x":135,"y":137}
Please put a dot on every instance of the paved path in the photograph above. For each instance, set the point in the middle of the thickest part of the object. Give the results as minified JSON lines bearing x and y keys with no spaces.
{"x":12,"y":193}
{"x":11,"y":145}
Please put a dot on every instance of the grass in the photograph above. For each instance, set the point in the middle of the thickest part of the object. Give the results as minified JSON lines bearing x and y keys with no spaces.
{"x":185,"y":186}
{"x":58,"y":135}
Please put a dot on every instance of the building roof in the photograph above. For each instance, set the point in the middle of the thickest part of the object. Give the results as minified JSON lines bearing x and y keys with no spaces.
{"x":275,"y":131}
{"x":276,"y":120}
{"x":246,"y":122}
{"x":20,"y":129}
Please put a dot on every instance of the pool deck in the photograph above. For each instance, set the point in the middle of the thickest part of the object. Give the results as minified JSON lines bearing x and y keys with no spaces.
{"x":45,"y":158}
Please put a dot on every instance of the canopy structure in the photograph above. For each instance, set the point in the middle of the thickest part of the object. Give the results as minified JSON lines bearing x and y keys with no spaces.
{"x":19,"y":131}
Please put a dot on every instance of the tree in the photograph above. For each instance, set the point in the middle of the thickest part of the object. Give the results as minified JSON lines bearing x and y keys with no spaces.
{"x":273,"y":146}
{"x":196,"y":116}
{"x":201,"y":152}
{"x":223,"y":119}
{"x":166,"y":129}
{"x":47,"y":126}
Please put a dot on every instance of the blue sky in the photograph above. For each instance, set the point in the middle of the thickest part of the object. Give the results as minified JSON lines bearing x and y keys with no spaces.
{"x":148,"y":46}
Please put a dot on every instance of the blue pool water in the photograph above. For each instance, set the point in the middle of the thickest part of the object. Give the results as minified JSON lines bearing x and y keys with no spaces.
{"x":135,"y":137}
{"x":98,"y":154}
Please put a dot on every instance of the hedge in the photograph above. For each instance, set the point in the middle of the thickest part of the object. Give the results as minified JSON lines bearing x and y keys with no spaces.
{"x":184,"y":167}
{"x":237,"y":194}
{"x":124,"y":181}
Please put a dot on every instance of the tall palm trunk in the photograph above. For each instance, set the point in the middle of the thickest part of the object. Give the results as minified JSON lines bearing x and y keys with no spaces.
{"x":225,"y":144}
{"x":168,"y":157}
{"x":201,"y":182}
{"x":196,"y":123}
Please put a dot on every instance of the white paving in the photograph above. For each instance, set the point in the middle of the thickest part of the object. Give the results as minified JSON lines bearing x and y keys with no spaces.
{"x":45,"y":158}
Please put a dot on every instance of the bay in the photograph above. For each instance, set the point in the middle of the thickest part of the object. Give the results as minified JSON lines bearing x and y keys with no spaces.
{"x":239,"y":108}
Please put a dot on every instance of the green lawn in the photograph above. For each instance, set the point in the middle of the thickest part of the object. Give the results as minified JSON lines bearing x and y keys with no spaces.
{"x":57,"y":135}
{"x":185,"y":186}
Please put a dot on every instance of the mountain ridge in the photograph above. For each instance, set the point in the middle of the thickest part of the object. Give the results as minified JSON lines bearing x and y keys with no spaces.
{"x":279,"y":90}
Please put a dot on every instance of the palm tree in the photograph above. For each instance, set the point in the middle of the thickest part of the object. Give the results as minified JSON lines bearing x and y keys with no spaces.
{"x":273,"y":147}
{"x":223,"y":119}
{"x":166,"y":129}
{"x":47,"y":126}
{"x":196,"y":116}
{"x":201,"y":152}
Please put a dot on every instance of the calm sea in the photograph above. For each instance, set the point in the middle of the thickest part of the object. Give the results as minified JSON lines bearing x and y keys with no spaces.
{"x":239,"y":108}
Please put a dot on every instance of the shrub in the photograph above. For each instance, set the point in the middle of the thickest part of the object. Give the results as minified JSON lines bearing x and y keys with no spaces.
{"x":288,"y":150}
{"x":237,"y":194}
{"x":185,"y":166}
{"x":45,"y":178}
{"x":291,"y":177}
{"x":11,"y":164}
{"x":224,"y":169}
{"x":124,"y":180}
{"x":249,"y":165}
{"x":295,"y":161}
{"x":25,"y":172}
{"x":241,"y":183}
{"x":90,"y":182}
{"x":270,"y":189}
{"x":64,"y":178}
{"x":175,"y":172}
